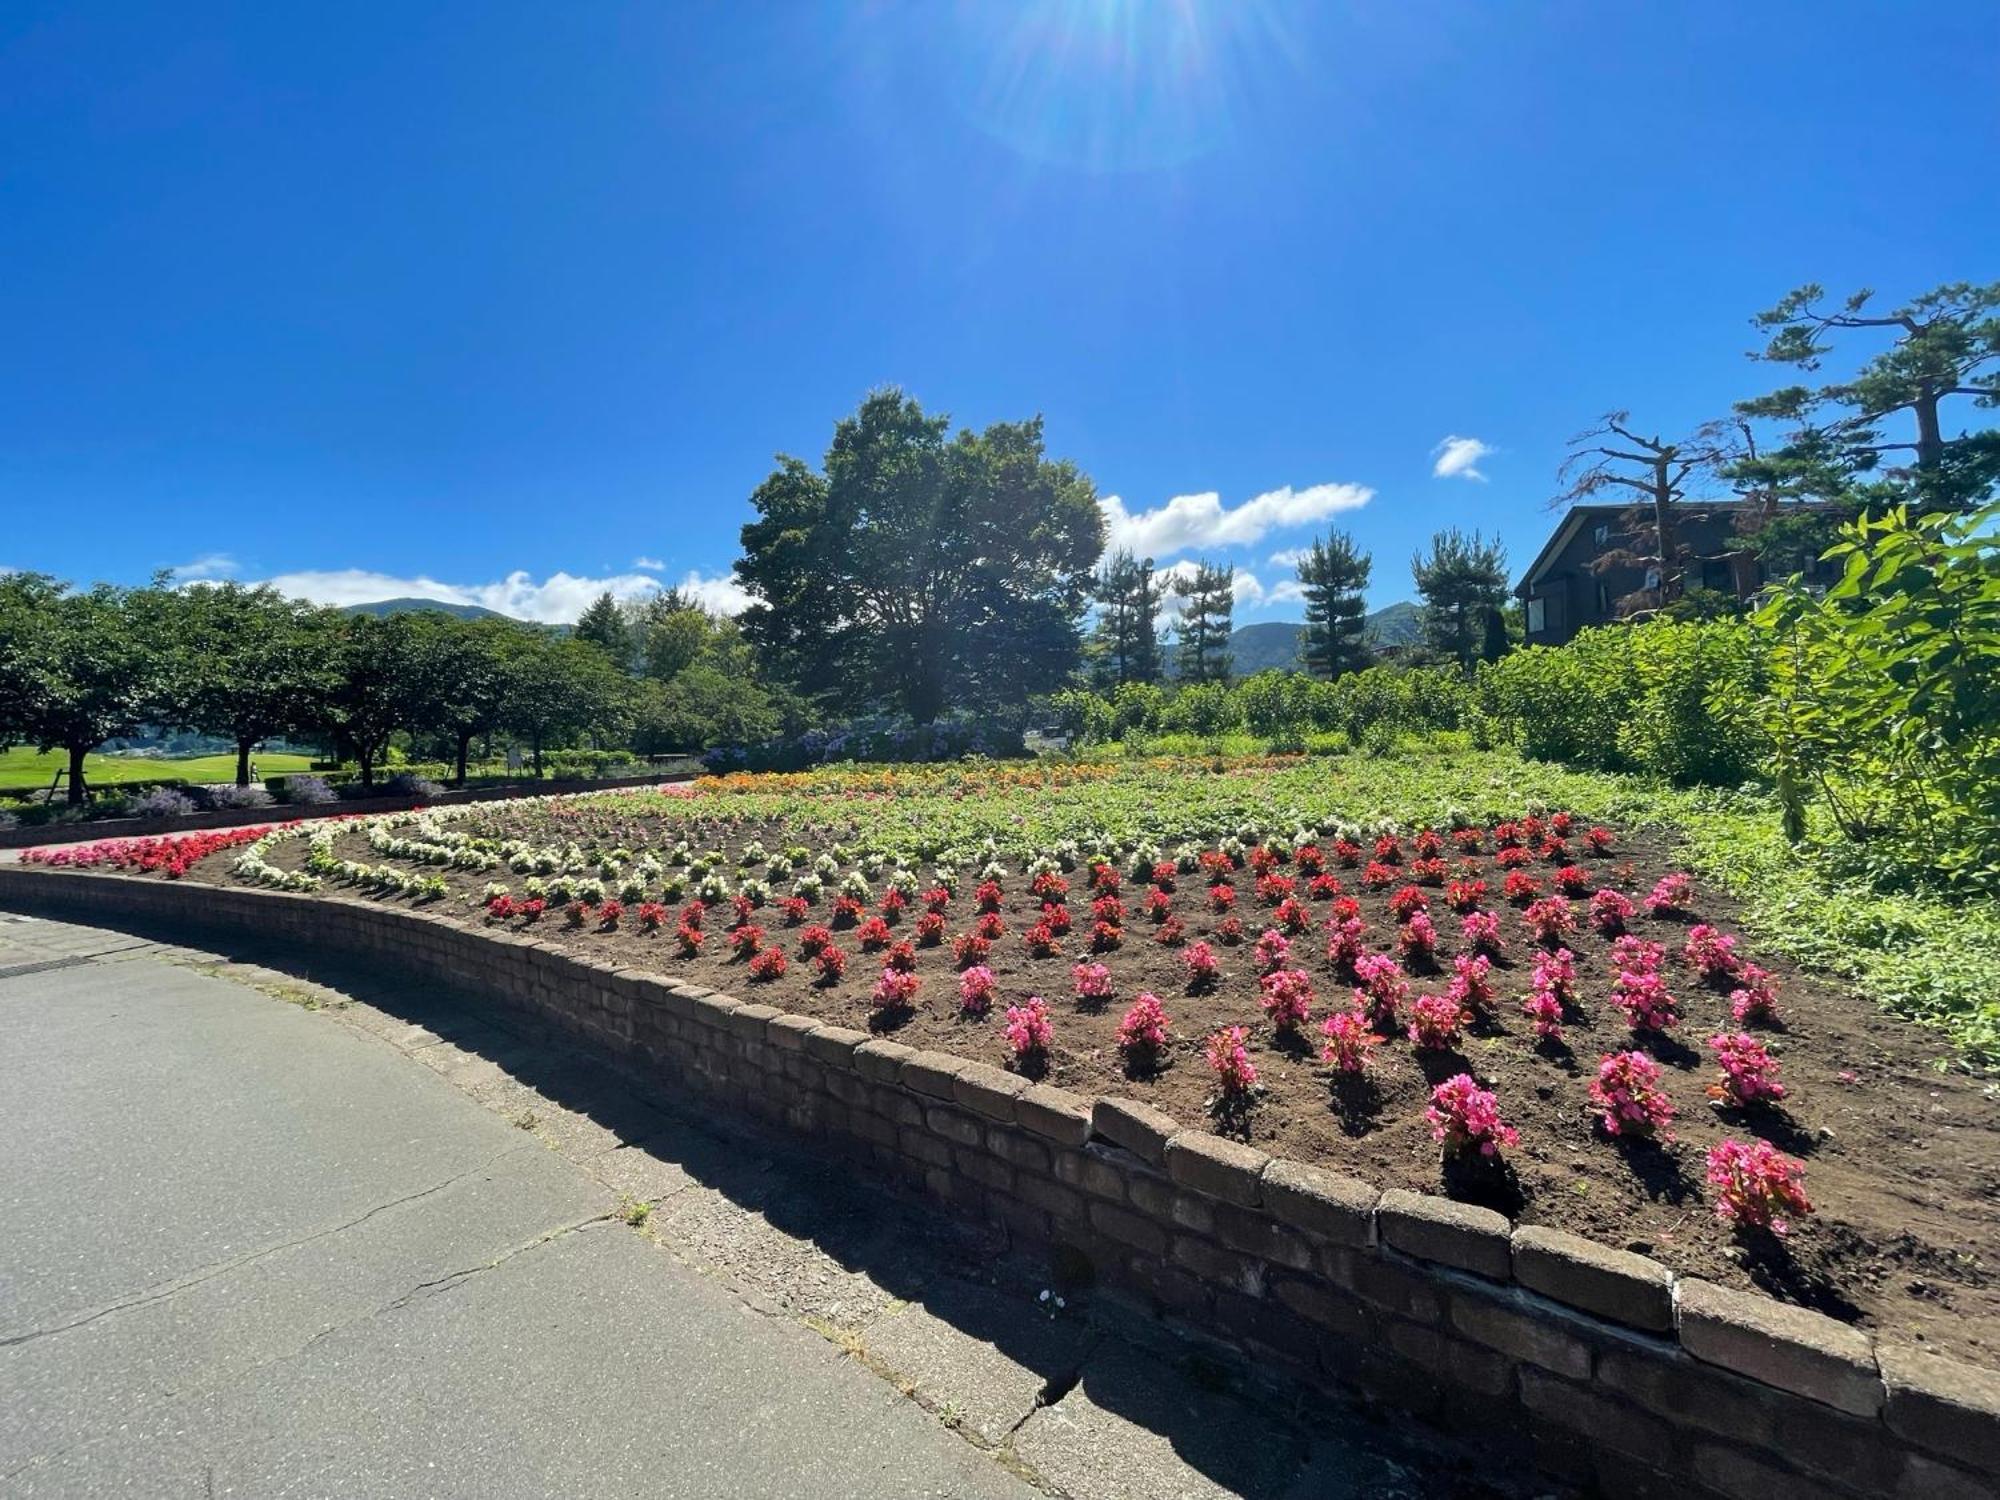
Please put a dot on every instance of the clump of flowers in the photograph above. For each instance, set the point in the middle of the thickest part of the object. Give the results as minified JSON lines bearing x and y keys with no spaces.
{"x":1638,"y":955}
{"x":1378,"y":875}
{"x":1170,"y":933}
{"x":1711,"y":953}
{"x":1229,"y":1060}
{"x":609,"y":914}
{"x":1550,"y":919}
{"x":874,"y":933}
{"x":1471,"y":981}
{"x":1429,"y":871}
{"x":1287,"y":998}
{"x":1323,"y":887}
{"x":1520,"y":887}
{"x":1348,"y":1038}
{"x":1105,"y":937}
{"x":902,"y":955}
{"x":1480,"y":931}
{"x":1230,"y":930}
{"x":1434,"y":1022}
{"x":1108,"y":909}
{"x":576,"y":913}
{"x":1029,"y":1031}
{"x":1159,"y":905}
{"x":690,"y":939}
{"x":1048,"y":886}
{"x":1755,"y":998}
{"x":990,"y":926}
{"x":652,"y":915}
{"x":1556,"y":973}
{"x":1042,"y":941}
{"x":1383,"y":987}
{"x":893,"y":904}
{"x":847,"y":910}
{"x":832,"y":964}
{"x":975,"y":990}
{"x":1644,"y":999}
{"x":1293,"y":915}
{"x":1142,"y":1034}
{"x":1673,"y":893}
{"x":1056,"y":915}
{"x":1093,"y":981}
{"x":1418,"y":940}
{"x":1611,"y":911}
{"x":1757,"y":1185}
{"x":895,"y":990}
{"x":1749,"y":1072}
{"x":1345,"y":943}
{"x":1598,"y":840}
{"x":1203,"y":968}
{"x":1347,"y":852}
{"x":1545,"y":1012}
{"x":1465,"y":895}
{"x":930,"y":929}
{"x":1274,"y":950}
{"x":1512,"y":857}
{"x":1271,"y":889}
{"x":986,"y":896}
{"x":1466,"y":1118}
{"x":1407,"y":902}
{"x":937,"y":898}
{"x":768,"y":965}
{"x":747,"y":940}
{"x":793,"y":909}
{"x":1573,"y":880}
{"x":1222,"y":897}
{"x":1626,"y":1095}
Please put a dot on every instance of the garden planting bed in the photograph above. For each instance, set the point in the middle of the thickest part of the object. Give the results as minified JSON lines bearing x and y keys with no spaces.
{"x":1901,"y":1161}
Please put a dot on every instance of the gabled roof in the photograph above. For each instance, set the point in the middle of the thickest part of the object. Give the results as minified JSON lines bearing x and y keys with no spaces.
{"x":1566,"y":529}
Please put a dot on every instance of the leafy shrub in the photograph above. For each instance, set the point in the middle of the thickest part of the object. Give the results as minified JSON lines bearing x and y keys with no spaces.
{"x":410,"y":784}
{"x":308,"y":791}
{"x":160,"y":802}
{"x":221,"y":798}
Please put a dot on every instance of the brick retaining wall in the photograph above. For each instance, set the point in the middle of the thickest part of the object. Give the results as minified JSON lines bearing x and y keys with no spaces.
{"x":1598,"y":1365}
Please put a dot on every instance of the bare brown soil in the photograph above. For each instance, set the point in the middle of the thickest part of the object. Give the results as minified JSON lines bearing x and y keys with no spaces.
{"x":1902,"y":1154}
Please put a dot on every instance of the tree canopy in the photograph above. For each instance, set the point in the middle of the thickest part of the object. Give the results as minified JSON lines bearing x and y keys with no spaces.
{"x":1334,"y":577}
{"x":1463,"y":583}
{"x":921,"y":569}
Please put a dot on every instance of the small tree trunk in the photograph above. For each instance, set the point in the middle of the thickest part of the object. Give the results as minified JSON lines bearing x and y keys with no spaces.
{"x":366,"y":752}
{"x":243,"y":762}
{"x":464,"y":741}
{"x":536,"y":741}
{"x":76,"y":788}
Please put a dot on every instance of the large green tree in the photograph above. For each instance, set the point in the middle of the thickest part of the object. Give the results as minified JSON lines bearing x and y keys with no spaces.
{"x":920,"y":569}
{"x":245,"y":664}
{"x":603,"y":625}
{"x":556,"y":690}
{"x":375,"y":684}
{"x":78,"y":667}
{"x":1334,"y":577}
{"x":1125,"y":646}
{"x":459,"y":678}
{"x":1463,"y":583}
{"x":1882,"y":436}
{"x":1208,"y":605}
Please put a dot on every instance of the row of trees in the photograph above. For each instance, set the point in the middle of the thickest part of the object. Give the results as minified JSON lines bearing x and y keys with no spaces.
{"x":80,"y":667}
{"x":1799,"y":462}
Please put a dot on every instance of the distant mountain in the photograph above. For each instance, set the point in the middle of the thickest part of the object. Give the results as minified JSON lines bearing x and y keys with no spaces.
{"x":405,"y":606}
{"x":1274,"y":644}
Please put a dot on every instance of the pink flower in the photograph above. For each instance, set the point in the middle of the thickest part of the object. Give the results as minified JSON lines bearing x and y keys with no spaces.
{"x":1028,"y":1029}
{"x":1711,"y":953}
{"x":1344,"y":944}
{"x":1434,"y":1022}
{"x":1229,"y":1059}
{"x":1755,"y":998}
{"x":896,"y":989}
{"x":1288,"y":997}
{"x":1093,"y":981}
{"x":1383,"y":986}
{"x":1465,"y":1117}
{"x":1749,"y":1072}
{"x":1549,"y":919}
{"x":1418,"y":939}
{"x":1546,"y":1011}
{"x":1144,"y":1029}
{"x":1347,"y":1040}
{"x":1471,"y":983}
{"x":1756,"y":1185}
{"x":1611,"y":911}
{"x":1481,"y":932}
{"x":975,"y":990}
{"x":1672,"y":893}
{"x":1273,"y":949}
{"x":1644,"y":999}
{"x":1556,"y":973}
{"x":1627,"y":1097}
{"x":1637,"y":955}
{"x":1201,"y":964}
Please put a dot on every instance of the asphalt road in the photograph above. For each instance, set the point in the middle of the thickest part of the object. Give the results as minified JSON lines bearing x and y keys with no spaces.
{"x":244,"y":1252}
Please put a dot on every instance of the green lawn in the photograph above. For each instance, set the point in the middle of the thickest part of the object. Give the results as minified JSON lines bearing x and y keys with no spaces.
{"x":22,"y":767}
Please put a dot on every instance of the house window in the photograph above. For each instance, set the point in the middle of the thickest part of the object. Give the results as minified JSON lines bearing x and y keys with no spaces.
{"x":1603,"y":533}
{"x":1536,"y":616}
{"x":1603,"y":601}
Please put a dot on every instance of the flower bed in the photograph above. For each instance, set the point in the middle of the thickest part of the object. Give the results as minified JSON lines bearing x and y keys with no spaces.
{"x":1349,"y":958}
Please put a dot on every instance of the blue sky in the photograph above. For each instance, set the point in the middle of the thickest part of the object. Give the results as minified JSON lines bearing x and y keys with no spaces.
{"x":497,"y":301}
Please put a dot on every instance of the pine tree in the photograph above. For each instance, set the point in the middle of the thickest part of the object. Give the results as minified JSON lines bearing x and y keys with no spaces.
{"x":1334,"y":574}
{"x":1125,"y":644}
{"x":1463,"y":582}
{"x":1205,"y":623}
{"x":603,"y":626}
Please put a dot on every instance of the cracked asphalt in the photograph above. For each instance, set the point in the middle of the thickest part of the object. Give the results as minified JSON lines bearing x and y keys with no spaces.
{"x":274,"y":1231}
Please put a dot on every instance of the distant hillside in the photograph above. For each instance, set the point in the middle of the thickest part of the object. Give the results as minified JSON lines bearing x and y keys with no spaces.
{"x":405,"y":606}
{"x":1275,"y":643}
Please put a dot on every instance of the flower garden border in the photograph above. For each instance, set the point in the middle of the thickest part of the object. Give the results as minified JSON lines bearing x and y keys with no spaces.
{"x":1598,"y":1365}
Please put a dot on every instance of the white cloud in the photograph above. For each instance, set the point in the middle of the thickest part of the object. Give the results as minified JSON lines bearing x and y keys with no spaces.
{"x":649,"y":564}
{"x":1190,"y":521}
{"x":559,"y":597}
{"x":1291,"y":591}
{"x":1290,"y":557}
{"x":1458,"y":458}
{"x":210,"y":565}
{"x":1246,"y":591}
